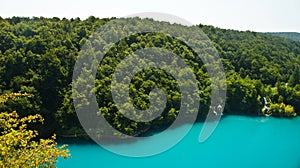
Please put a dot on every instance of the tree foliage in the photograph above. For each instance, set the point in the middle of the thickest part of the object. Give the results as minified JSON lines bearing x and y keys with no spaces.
{"x":37,"y":56}
{"x":17,"y":145}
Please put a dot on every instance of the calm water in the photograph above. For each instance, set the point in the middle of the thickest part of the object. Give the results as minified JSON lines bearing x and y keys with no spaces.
{"x":238,"y":141}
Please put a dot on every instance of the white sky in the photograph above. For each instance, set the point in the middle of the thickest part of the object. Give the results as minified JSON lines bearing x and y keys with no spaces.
{"x":255,"y":15}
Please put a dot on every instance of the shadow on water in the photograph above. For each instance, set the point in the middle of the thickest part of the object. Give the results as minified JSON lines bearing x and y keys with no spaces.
{"x":107,"y":140}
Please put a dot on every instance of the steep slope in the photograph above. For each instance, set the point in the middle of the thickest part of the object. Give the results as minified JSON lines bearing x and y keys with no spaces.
{"x":37,"y":56}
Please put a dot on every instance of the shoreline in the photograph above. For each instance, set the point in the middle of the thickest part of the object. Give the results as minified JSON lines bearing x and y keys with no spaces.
{"x":84,"y":138}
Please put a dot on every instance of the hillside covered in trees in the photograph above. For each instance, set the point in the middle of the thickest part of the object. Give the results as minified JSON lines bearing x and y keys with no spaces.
{"x":37,"y":56}
{"x":288,"y":35}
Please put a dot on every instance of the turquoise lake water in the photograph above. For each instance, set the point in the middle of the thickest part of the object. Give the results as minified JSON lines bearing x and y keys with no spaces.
{"x":238,"y":141}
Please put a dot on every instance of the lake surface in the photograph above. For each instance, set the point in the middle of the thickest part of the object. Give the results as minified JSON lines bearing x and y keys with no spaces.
{"x":238,"y":141}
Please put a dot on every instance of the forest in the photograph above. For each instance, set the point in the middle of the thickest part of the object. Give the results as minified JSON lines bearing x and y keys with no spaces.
{"x":288,"y":35}
{"x":38,"y":55}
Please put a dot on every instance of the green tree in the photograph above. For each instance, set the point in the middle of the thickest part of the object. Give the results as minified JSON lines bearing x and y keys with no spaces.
{"x":17,"y":147}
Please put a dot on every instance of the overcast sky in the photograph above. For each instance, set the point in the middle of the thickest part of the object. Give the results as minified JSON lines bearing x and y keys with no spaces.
{"x":255,"y":15}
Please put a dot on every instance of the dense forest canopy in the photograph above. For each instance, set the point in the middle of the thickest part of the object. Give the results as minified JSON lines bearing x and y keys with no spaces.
{"x":37,"y":56}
